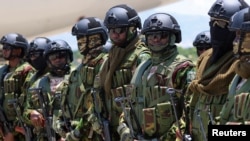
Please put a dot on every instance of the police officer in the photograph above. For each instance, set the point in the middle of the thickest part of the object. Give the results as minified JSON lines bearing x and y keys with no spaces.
{"x":126,"y":53}
{"x":236,"y":111}
{"x":202,"y":42}
{"x":35,"y":57}
{"x":12,"y":79}
{"x":91,"y":35}
{"x":151,"y":115}
{"x":44,"y":101}
{"x":214,"y":69}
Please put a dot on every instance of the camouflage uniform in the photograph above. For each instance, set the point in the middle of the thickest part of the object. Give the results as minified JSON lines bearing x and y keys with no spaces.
{"x":150,"y":114}
{"x":215,"y":69}
{"x":123,"y":58}
{"x":236,"y":109}
{"x":74,"y":121}
{"x":42,"y":94}
{"x":36,"y":59}
{"x":12,"y":82}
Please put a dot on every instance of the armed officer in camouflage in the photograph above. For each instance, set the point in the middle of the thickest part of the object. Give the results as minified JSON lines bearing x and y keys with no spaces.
{"x":214,"y":69}
{"x":75,"y":122}
{"x":44,"y":101}
{"x":149,"y":115}
{"x":126,"y":53}
{"x":236,"y":109}
{"x":35,"y":57}
{"x":12,"y":79}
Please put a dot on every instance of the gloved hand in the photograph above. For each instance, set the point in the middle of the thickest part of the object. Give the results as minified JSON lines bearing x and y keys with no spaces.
{"x":125,"y":135}
{"x":73,"y":135}
{"x":59,"y":128}
{"x":124,"y":132}
{"x":95,"y":124}
{"x":37,"y":119}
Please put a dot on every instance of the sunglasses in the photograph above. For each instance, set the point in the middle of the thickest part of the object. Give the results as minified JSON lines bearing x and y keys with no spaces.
{"x":118,"y":30}
{"x":57,"y":55}
{"x":157,"y":35}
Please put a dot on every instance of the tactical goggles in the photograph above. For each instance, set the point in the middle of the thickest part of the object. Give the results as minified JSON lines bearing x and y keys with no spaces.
{"x":35,"y":54}
{"x":58,"y":55}
{"x":7,"y":47}
{"x":119,"y":30}
{"x":220,"y":23}
{"x":157,"y":35}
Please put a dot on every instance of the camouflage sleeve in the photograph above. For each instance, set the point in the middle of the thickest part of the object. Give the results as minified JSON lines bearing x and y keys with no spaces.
{"x":182,"y":76}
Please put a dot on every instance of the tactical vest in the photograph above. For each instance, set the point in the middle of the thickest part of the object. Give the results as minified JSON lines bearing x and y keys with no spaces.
{"x":235,"y":110}
{"x":152,"y":104}
{"x":13,"y":86}
{"x":121,"y":78}
{"x":53,"y":100}
{"x":76,"y":95}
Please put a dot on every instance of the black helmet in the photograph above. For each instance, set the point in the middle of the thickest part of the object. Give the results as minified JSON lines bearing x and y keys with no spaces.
{"x":122,"y":16}
{"x":38,"y":44}
{"x":90,"y":26}
{"x":15,"y":40}
{"x":239,"y":21}
{"x":57,"y":46}
{"x":224,"y":9}
{"x":162,"y":22}
{"x":202,"y":40}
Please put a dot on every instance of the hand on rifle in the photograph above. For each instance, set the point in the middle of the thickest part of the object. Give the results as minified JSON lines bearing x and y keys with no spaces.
{"x":37,"y":119}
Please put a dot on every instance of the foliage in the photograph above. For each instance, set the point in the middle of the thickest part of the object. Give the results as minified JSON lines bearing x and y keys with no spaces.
{"x":188,"y":52}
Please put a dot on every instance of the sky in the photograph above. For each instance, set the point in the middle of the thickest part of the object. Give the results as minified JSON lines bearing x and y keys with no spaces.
{"x":190,"y":14}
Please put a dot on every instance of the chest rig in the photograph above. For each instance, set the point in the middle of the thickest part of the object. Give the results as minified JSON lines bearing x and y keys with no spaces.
{"x":77,"y":96}
{"x":12,"y":87}
{"x":235,"y":110}
{"x":152,"y":103}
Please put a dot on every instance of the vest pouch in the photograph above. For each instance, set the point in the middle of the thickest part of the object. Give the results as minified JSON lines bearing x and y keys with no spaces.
{"x":239,"y":105}
{"x":90,"y":76}
{"x":11,"y":85}
{"x":246,"y":112}
{"x":165,"y":117}
{"x":9,"y":107}
{"x":149,"y":124}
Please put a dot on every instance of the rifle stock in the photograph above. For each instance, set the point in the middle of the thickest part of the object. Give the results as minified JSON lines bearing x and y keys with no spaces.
{"x":104,"y":122}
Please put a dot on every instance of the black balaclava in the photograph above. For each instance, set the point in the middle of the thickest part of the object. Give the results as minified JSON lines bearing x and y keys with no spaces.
{"x":221,"y":40}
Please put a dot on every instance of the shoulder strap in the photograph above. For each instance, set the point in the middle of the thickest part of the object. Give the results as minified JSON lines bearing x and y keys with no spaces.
{"x":136,"y":79}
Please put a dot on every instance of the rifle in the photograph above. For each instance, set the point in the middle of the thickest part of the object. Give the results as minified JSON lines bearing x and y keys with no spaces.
{"x":66,"y":121}
{"x":28,"y":132}
{"x":201,"y":125}
{"x":171,"y":92}
{"x":122,"y":100}
{"x":212,"y":122}
{"x":45,"y":109}
{"x":102,"y":121}
{"x":4,"y":122}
